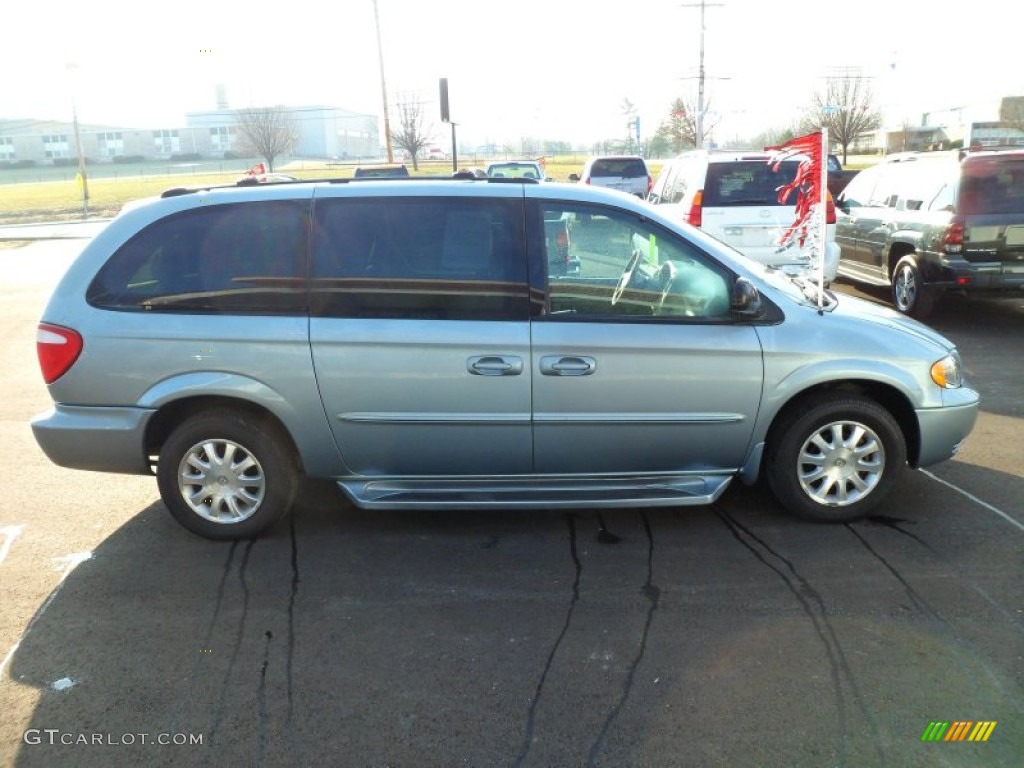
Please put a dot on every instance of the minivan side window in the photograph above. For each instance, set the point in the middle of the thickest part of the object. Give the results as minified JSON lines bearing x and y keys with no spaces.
{"x":238,"y":258}
{"x":629,"y":269}
{"x":452,"y":258}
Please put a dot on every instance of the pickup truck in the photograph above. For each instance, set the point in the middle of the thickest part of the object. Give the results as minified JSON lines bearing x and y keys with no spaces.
{"x":838,"y":178}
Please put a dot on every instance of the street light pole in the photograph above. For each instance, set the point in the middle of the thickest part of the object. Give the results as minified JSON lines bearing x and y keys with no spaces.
{"x":383,"y":88}
{"x":698,"y":138}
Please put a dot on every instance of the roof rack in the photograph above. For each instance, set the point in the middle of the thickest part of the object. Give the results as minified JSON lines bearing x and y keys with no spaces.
{"x":245,"y":183}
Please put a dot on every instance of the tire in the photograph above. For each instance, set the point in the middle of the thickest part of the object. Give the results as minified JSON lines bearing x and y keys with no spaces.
{"x":910,"y":295}
{"x":809,"y":467}
{"x":251,"y":490}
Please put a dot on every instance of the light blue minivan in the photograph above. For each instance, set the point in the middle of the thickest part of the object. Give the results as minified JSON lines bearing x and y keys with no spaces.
{"x":409,"y":339}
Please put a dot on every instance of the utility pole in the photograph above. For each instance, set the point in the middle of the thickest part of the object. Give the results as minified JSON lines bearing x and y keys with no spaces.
{"x":699,"y":123}
{"x":383,"y":88}
{"x":82,"y":174}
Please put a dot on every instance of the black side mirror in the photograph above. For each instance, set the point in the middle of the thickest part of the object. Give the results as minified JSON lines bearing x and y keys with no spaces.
{"x":745,"y":300}
{"x":574,"y":177}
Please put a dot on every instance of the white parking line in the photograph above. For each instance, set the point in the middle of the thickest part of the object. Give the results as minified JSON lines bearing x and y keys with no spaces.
{"x":1016,"y":523}
{"x":8,"y":533}
{"x":66,"y":565}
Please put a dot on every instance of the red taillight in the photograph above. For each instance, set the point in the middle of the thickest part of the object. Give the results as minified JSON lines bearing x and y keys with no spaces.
{"x":586,"y":180}
{"x":953,"y":239}
{"x":650,"y":183}
{"x":562,"y":239}
{"x":58,"y":348}
{"x":693,"y":217}
{"x":830,"y":209}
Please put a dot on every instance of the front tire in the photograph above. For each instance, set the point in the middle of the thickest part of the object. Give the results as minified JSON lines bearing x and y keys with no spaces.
{"x":833,"y":458}
{"x":227,"y":475}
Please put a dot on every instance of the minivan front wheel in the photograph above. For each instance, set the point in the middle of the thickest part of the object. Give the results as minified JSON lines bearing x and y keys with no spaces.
{"x":835,"y":457}
{"x":910,"y":295}
{"x":226,"y":476}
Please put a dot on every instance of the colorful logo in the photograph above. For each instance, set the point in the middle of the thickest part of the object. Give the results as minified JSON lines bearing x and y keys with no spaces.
{"x":958,"y":730}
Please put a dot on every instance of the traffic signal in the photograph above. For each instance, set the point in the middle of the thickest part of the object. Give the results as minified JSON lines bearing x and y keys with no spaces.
{"x":445,"y":117}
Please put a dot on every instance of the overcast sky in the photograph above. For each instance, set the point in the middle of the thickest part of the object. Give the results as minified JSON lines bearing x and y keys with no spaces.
{"x":556,"y":69}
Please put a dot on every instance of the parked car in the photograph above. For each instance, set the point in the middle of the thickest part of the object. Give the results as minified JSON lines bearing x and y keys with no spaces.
{"x":515,"y":169}
{"x":265,"y":178}
{"x":837,"y":176}
{"x":380,"y":172}
{"x":734,"y":196}
{"x":928,"y":223}
{"x":409,"y":340}
{"x":626,"y":173}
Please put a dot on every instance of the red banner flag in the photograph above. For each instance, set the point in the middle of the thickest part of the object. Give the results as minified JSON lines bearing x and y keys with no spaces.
{"x":807,"y":183}
{"x":257,"y":170}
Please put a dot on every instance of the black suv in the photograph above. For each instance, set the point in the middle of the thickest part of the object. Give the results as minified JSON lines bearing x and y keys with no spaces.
{"x":930,"y":222}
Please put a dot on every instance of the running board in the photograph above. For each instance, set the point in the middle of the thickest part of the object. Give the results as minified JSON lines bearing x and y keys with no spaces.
{"x":536,"y":492}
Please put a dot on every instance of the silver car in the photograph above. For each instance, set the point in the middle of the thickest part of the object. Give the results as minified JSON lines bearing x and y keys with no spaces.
{"x":409,"y":340}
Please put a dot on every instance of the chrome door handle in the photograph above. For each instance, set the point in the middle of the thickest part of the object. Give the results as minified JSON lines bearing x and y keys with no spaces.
{"x":494,"y":365}
{"x":567,"y":365}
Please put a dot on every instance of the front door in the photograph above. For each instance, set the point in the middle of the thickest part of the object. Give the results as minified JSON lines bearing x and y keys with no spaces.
{"x":638,"y":365}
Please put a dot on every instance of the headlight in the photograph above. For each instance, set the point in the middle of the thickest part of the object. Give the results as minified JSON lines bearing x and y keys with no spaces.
{"x":946,"y":372}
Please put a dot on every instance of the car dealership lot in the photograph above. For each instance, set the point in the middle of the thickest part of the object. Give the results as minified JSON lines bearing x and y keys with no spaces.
{"x":730,"y":634}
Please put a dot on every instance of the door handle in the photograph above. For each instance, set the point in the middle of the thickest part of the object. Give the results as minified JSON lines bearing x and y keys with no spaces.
{"x":494,"y":365}
{"x":567,"y":365}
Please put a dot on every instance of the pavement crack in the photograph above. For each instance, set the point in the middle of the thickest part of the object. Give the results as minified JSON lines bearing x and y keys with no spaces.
{"x":239,"y":634}
{"x":893,"y":523}
{"x":289,"y":724}
{"x":653,"y":595}
{"x":574,"y":599}
{"x":261,"y":699}
{"x":959,"y":645}
{"x":814,"y":607}
{"x":186,"y":696}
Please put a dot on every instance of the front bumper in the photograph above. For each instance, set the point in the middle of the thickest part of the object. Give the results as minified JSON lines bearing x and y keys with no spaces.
{"x":943,"y":430}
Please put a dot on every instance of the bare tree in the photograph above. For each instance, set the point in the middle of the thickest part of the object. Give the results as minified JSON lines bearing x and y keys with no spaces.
{"x":413,"y":132}
{"x":267,"y":131}
{"x":846,"y":108}
{"x":1011,"y":112}
{"x":680,"y":130}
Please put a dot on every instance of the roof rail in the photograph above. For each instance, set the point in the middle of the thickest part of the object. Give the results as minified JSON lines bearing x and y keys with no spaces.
{"x":179,"y":191}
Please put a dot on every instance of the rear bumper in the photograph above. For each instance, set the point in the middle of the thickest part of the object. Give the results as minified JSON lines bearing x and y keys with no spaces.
{"x":958,"y":273}
{"x":94,"y":438}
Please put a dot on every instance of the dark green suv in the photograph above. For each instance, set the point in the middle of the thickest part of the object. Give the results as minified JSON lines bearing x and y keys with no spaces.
{"x":928,"y":223}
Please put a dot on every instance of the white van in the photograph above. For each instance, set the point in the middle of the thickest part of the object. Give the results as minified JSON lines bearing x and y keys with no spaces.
{"x":734,"y":196}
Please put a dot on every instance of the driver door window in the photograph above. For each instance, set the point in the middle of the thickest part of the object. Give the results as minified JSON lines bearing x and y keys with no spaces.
{"x":625,"y":268}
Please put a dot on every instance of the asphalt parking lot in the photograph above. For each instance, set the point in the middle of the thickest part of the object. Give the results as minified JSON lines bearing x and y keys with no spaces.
{"x":726,"y":635}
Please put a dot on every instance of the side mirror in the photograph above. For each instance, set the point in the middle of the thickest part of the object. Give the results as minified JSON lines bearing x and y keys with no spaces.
{"x":745,"y":300}
{"x":574,"y":177}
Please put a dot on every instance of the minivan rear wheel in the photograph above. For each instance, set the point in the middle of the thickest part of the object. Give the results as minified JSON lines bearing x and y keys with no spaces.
{"x":833,"y":458}
{"x":226,"y":475}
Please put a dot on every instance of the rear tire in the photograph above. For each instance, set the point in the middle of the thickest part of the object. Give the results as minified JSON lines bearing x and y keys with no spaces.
{"x":833,"y":457}
{"x":910,"y":295}
{"x":227,"y":475}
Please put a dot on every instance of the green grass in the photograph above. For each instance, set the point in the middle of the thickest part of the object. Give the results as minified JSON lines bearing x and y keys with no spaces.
{"x":31,"y":201}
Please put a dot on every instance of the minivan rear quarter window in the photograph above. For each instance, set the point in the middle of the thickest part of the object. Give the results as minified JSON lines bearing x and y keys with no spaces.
{"x":242,"y":258}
